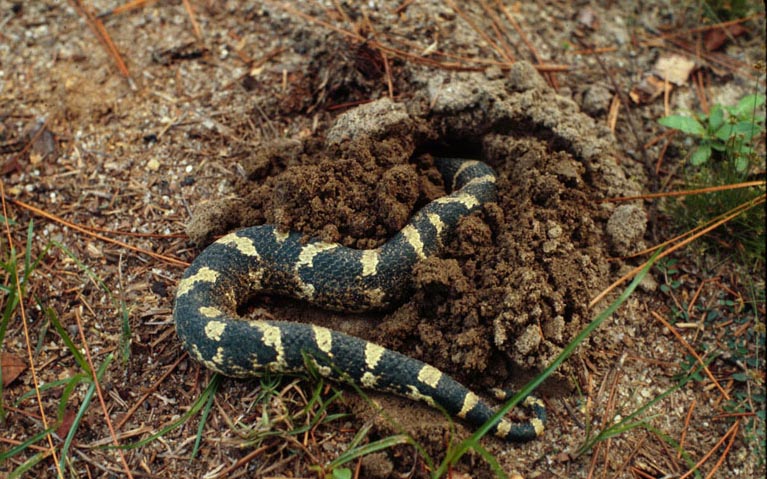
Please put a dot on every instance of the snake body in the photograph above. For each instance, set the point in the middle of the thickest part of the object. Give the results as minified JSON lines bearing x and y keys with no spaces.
{"x":261,"y":259}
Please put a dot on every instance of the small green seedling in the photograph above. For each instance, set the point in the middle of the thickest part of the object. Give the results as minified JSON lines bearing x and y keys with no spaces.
{"x":727,"y":130}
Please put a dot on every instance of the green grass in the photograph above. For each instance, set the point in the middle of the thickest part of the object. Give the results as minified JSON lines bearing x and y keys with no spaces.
{"x":728,"y":149}
{"x":13,"y":294}
{"x":204,"y":403}
{"x":25,"y":273}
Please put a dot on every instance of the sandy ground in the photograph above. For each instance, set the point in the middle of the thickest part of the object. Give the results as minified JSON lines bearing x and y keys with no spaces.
{"x":242,"y":115}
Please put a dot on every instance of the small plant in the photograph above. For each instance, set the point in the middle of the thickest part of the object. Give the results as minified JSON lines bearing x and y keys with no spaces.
{"x":725,"y":154}
{"x":729,"y":131}
{"x":670,"y":271}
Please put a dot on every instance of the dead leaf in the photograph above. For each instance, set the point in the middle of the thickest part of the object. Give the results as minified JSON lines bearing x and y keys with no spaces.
{"x":650,"y":88}
{"x":43,"y":142}
{"x":12,"y":367}
{"x":674,"y":68}
{"x":66,"y":423}
{"x":715,"y":39}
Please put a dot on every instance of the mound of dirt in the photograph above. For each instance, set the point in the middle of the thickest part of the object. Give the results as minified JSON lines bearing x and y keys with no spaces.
{"x":513,"y":288}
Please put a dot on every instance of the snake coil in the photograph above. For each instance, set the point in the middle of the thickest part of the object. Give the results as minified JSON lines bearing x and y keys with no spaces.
{"x":261,"y":259}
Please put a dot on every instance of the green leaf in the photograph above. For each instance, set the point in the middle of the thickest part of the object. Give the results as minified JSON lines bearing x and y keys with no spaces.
{"x":742,"y":377}
{"x":716,"y":118}
{"x":746,"y":128}
{"x":745,"y":150}
{"x":717,"y":145}
{"x":343,"y":473}
{"x":747,"y":106}
{"x":701,"y":155}
{"x":725,"y":132}
{"x":741,"y":163}
{"x":685,"y":124}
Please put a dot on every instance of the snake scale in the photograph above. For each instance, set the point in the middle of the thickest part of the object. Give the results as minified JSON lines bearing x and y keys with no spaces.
{"x":262,"y":259}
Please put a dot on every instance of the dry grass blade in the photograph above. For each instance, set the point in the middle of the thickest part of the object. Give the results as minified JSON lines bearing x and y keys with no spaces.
{"x":16,"y":442}
{"x":293,"y":11}
{"x":480,"y":32}
{"x":734,"y":212}
{"x":706,"y":28}
{"x":193,"y":18}
{"x":97,"y":26}
{"x":642,"y":474}
{"x":499,"y":32}
{"x":602,"y":449}
{"x":149,"y":391}
{"x":731,"y":433}
{"x":687,"y":418}
{"x":630,"y":459}
{"x":13,"y":163}
{"x":697,"y":191}
{"x":168,"y":259}
{"x":345,"y":16}
{"x":243,"y":461}
{"x":593,"y":50}
{"x":692,"y":351}
{"x":723,"y":61}
{"x":538,"y":59}
{"x":384,"y":57}
{"x":481,"y":63}
{"x":132,"y":5}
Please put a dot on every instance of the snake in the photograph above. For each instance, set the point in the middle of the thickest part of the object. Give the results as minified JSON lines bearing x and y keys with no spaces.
{"x":264,"y":259}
